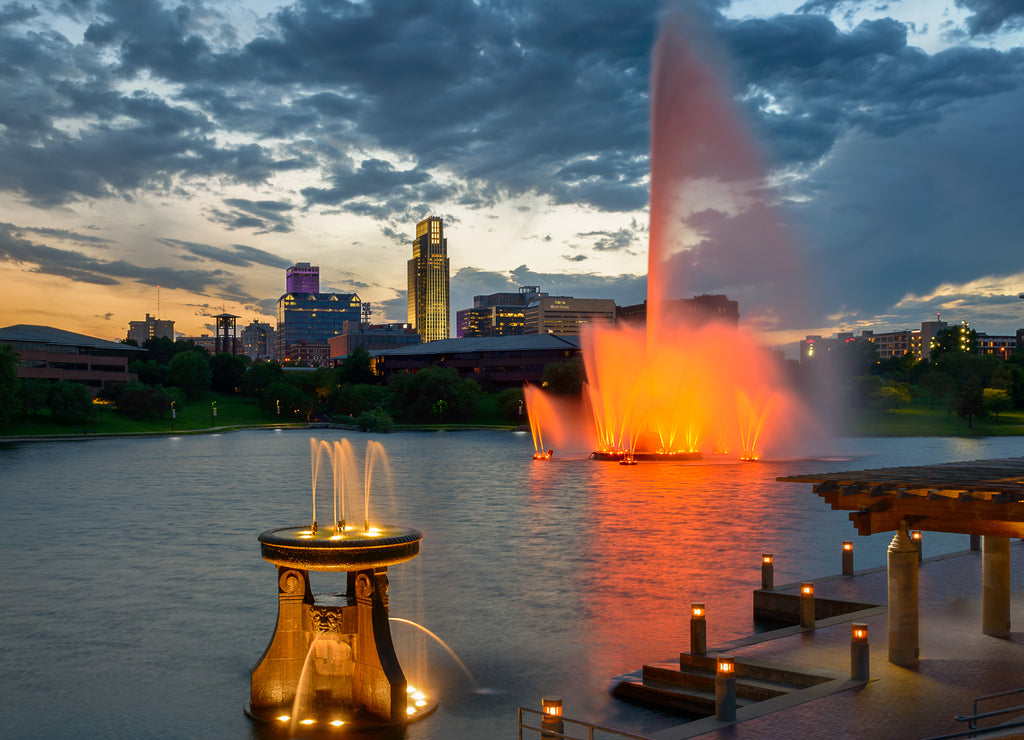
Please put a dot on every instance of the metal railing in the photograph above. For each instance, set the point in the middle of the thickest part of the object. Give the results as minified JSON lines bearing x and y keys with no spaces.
{"x":972,"y":719}
{"x":589,"y":727}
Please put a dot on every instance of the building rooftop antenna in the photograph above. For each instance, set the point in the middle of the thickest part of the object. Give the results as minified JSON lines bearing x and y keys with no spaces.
{"x":158,"y":303}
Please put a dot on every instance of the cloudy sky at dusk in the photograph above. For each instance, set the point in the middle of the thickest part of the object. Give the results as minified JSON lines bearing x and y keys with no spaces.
{"x":204,"y":146}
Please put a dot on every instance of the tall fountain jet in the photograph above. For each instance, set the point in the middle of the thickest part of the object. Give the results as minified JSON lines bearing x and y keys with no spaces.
{"x":673,"y":389}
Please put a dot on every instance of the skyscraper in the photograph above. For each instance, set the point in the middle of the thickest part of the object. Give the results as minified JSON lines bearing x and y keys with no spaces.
{"x":429,"y":281}
{"x":302,"y":278}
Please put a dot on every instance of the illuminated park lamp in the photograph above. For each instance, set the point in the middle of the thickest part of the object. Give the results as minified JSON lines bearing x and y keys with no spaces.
{"x":807,"y":609}
{"x":725,"y":666}
{"x":916,"y":536}
{"x":847,"y":558}
{"x":697,"y":611}
{"x":860,"y":659}
{"x":859,"y":632}
{"x":847,"y":547}
{"x":551,"y":706}
{"x":767,"y":572}
{"x":807,"y":589}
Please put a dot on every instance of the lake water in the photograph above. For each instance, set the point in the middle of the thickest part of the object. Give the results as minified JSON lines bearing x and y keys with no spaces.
{"x":136,"y":601}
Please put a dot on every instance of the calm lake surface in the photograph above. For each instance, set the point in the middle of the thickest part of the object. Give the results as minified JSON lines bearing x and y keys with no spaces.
{"x":136,"y":600}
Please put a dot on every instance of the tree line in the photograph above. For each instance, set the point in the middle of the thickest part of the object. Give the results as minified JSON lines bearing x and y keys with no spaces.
{"x":955,"y":378}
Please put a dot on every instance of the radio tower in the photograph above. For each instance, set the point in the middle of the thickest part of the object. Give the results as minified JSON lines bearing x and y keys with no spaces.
{"x":158,"y":303}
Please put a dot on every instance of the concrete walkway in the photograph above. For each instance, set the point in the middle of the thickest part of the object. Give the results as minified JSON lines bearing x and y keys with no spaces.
{"x":958,"y":663}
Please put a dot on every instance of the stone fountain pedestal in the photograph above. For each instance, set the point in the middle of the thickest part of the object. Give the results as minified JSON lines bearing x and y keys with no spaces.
{"x":333,"y":652}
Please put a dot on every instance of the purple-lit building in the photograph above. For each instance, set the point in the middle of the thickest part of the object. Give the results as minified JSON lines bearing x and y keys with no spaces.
{"x":302,"y":277}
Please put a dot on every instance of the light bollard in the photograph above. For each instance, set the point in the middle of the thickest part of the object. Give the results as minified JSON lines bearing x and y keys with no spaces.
{"x":847,"y":558}
{"x":698,"y":630}
{"x":860,"y":666}
{"x":767,"y":572}
{"x":915,"y":537}
{"x":552,"y":726}
{"x":725,"y":689}
{"x":807,"y":605}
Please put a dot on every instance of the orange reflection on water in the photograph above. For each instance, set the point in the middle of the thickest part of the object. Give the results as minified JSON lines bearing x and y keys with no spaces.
{"x":657,"y":546}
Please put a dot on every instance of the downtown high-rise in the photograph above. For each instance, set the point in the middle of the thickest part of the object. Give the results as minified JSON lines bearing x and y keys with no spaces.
{"x":429,"y":281}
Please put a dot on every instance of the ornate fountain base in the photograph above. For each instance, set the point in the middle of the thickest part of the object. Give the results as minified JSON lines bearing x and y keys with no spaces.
{"x":331,"y":660}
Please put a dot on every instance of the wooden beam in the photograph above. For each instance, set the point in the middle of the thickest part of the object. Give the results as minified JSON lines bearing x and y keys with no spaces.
{"x":873,"y":522}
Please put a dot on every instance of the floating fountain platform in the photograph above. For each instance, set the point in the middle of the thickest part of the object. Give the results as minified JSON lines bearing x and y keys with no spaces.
{"x":331,"y":661}
{"x":620,"y":455}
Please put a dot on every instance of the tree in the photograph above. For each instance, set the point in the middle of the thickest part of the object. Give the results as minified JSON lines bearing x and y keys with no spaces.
{"x":935,"y":385}
{"x":150,"y":372}
{"x":971,"y":402}
{"x":71,"y":402}
{"x":435,"y":394}
{"x":512,"y":406}
{"x":955,"y":339}
{"x":8,"y":381}
{"x":227,"y":372}
{"x":284,"y":396}
{"x":259,"y":376}
{"x":355,"y":368}
{"x":565,"y":378}
{"x":357,"y":399}
{"x":161,"y":350}
{"x":34,"y":395}
{"x":857,"y":357}
{"x":995,"y":401}
{"x":189,"y":371}
{"x":893,"y":394}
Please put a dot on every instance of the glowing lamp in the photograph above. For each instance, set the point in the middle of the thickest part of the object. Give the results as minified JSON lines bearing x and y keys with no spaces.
{"x":283,"y":718}
{"x":767,"y":558}
{"x":337,"y":722}
{"x":847,"y":547}
{"x":308,"y":722}
{"x":726,"y":666}
{"x":697,"y":611}
{"x":807,"y":589}
{"x":915,"y":536}
{"x":410,"y":710}
{"x":859,"y":632}
{"x":551,"y":706}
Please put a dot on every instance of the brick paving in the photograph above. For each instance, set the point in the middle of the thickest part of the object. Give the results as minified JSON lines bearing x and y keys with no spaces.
{"x":958,"y":662}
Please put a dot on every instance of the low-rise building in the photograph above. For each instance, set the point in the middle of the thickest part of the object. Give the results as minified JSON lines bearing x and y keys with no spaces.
{"x":688,"y":311}
{"x":151,"y":328}
{"x":373,"y":337}
{"x":55,"y":354}
{"x":565,"y":315}
{"x":497,"y":362}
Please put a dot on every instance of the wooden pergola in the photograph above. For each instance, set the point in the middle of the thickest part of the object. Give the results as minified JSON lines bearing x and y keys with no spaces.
{"x":980,"y":497}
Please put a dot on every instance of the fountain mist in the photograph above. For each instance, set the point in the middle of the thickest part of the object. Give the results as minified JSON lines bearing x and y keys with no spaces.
{"x":672,"y":387}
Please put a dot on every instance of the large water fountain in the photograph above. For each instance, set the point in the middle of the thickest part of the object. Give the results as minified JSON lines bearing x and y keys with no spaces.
{"x":331,"y":661}
{"x":672,"y":389}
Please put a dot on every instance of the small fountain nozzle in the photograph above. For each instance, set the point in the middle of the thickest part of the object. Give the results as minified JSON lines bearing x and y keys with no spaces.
{"x":313,"y":528}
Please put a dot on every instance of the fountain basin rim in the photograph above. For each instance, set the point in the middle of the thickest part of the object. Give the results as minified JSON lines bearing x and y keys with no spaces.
{"x":346,"y":554}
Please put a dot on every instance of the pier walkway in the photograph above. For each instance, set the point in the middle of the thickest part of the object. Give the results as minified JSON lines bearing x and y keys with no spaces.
{"x":957,"y":663}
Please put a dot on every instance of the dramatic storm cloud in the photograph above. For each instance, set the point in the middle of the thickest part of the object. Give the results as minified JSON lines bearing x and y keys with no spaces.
{"x":204,"y":145}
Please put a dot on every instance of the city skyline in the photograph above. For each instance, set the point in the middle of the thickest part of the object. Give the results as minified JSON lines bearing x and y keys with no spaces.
{"x":207,"y":147}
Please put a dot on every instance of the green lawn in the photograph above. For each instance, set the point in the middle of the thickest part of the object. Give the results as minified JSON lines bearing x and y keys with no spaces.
{"x":232,"y":411}
{"x":920,"y":421}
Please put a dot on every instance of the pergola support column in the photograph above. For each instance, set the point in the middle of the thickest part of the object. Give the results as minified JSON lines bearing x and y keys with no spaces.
{"x":903,"y":607}
{"x":995,"y":586}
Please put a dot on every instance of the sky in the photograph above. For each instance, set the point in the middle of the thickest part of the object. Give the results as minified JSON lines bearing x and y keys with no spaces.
{"x":203,"y":146}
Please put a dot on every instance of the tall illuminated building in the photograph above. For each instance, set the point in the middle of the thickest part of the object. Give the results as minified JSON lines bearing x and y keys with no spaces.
{"x":429,"y":281}
{"x":302,"y":277}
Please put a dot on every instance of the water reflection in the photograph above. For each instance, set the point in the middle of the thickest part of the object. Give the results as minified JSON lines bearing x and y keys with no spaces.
{"x":544,"y":578}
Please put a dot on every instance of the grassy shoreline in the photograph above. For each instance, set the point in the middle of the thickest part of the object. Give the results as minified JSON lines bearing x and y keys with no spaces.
{"x":235,"y":412}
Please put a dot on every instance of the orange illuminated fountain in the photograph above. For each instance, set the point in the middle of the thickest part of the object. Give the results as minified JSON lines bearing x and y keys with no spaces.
{"x":331,"y":661}
{"x":675,"y":389}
